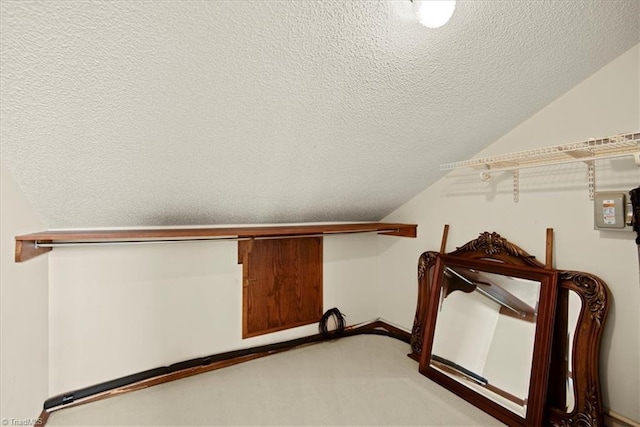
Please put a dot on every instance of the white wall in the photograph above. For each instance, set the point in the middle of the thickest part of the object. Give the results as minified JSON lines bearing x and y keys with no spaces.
{"x":23,"y":313}
{"x":119,"y":310}
{"x":115,"y":310}
{"x":605,"y":104}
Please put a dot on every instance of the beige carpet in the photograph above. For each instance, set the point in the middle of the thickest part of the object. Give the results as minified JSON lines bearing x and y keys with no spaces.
{"x":362,"y":380}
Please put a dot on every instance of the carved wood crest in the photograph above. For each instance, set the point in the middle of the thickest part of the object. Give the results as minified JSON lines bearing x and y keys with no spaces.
{"x":491,"y":244}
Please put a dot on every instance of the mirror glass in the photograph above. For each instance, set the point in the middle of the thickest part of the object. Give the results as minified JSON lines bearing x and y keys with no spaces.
{"x":575,"y":308}
{"x":489,"y":335}
{"x":485,"y":333}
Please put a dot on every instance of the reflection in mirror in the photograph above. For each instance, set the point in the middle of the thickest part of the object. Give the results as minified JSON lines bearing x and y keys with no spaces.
{"x":485,"y":333}
{"x":575,"y":307}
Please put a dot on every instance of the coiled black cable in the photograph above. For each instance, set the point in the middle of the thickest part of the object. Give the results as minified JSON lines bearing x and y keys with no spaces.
{"x":339,"y":331}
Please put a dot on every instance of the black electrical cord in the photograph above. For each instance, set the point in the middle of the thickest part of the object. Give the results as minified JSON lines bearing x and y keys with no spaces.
{"x":339,"y":331}
{"x":635,"y":207}
{"x":634,"y":195}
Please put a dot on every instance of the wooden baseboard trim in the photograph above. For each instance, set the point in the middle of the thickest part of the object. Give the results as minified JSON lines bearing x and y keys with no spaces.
{"x":377,"y":327}
{"x":42,"y":418}
{"x":613,"y":419}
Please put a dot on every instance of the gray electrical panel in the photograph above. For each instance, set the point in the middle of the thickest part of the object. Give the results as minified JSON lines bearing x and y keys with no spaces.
{"x":612,"y":211}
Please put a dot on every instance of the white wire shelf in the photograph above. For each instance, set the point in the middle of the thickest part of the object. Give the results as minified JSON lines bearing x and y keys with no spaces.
{"x":622,"y":145}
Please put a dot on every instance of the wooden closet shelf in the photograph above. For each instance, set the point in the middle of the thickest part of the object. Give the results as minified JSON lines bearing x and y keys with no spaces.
{"x":32,"y":245}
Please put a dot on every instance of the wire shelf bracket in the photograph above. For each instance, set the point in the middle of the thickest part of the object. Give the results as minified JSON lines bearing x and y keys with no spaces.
{"x":622,"y":145}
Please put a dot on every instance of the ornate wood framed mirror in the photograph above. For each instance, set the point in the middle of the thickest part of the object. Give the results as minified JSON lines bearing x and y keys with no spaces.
{"x":574,"y":394}
{"x":488,"y":335}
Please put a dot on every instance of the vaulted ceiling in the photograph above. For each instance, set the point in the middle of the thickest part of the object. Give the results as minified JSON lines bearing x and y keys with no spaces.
{"x":138,"y":113}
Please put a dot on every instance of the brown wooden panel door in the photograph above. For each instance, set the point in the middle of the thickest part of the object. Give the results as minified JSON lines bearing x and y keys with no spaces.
{"x":282,"y":284}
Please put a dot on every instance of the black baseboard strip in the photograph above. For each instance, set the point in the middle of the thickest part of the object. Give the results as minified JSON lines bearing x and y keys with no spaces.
{"x":70,"y":397}
{"x":375,"y":328}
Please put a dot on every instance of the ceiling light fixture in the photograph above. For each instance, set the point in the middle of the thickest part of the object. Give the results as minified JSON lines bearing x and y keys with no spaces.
{"x":434,"y":13}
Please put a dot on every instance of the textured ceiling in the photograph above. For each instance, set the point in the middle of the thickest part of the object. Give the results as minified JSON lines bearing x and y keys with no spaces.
{"x":139,"y":113}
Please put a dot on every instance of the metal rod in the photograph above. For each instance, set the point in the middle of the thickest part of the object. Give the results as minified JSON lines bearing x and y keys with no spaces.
{"x":133,"y":242}
{"x":496,"y":300}
{"x":485,"y":293}
{"x":460,"y":276}
{"x":37,"y":244}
